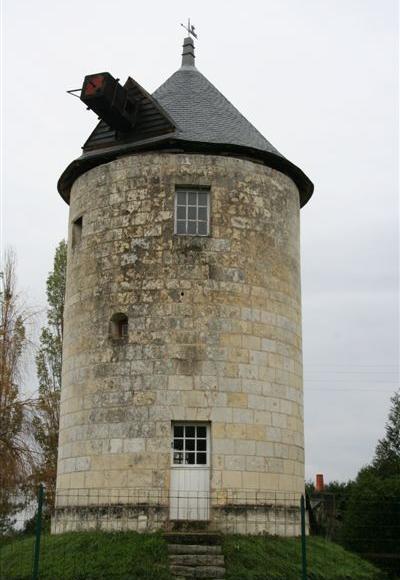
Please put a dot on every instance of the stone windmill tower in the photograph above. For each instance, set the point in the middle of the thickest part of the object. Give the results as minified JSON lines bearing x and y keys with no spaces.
{"x":182,"y":361}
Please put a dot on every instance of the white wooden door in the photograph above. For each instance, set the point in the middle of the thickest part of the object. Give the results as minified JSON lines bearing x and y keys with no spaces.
{"x":190,"y":472}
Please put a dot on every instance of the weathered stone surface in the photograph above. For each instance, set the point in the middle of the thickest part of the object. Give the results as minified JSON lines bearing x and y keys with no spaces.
{"x":214,"y":326}
{"x":196,"y":559}
{"x":185,"y":571}
{"x":201,"y":572}
{"x":209,"y":572}
{"x":193,"y":549}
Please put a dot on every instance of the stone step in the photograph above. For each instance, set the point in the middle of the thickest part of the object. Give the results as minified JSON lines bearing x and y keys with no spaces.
{"x":207,"y":572}
{"x":195,"y":554}
{"x":198,"y":571}
{"x":193,"y":549}
{"x":199,"y":538}
{"x":196,"y":560}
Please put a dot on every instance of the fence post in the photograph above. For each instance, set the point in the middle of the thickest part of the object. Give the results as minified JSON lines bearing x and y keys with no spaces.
{"x":303,"y":539}
{"x":38,"y":531}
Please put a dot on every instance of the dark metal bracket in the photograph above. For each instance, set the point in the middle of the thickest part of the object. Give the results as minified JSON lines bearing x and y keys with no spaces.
{"x":72,"y":91}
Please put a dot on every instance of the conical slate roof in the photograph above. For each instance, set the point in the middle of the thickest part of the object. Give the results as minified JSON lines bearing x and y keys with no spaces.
{"x":186,"y":113}
{"x":202,"y":113}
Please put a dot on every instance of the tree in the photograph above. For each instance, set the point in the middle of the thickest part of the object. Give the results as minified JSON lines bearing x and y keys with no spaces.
{"x":387,"y":454}
{"x":372,"y":519}
{"x":48,"y":368}
{"x":16,"y":457}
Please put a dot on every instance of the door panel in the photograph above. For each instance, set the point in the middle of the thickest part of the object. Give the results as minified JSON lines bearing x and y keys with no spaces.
{"x":190,"y":472}
{"x":190,"y":490}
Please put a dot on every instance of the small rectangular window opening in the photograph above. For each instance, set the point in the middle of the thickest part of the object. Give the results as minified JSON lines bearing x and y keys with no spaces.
{"x":119,"y":326}
{"x":77,"y":231}
{"x":192,"y":212}
{"x":189,"y":445}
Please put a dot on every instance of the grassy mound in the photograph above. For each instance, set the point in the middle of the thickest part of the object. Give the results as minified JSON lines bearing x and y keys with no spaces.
{"x":88,"y":556}
{"x":131,"y":556}
{"x":272,"y":558}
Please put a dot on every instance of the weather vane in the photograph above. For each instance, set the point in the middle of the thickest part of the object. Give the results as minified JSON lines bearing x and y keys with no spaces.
{"x":190,"y":28}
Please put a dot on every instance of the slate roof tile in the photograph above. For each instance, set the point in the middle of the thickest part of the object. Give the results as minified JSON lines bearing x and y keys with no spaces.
{"x":202,"y":113}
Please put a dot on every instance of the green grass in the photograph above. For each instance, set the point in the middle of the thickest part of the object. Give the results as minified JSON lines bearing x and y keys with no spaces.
{"x":272,"y":558}
{"x":88,"y":556}
{"x":123,"y":556}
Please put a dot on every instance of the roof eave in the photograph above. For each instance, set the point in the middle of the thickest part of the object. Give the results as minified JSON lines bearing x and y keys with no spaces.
{"x":91,"y":159}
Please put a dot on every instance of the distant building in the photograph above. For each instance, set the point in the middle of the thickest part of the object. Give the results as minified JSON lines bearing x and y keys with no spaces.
{"x":182,"y":396}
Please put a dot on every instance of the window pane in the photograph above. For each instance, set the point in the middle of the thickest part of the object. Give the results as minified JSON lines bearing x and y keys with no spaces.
{"x":202,"y":228}
{"x":190,"y":458}
{"x":201,"y":445}
{"x":191,"y":228}
{"x":180,"y":227}
{"x":189,"y":431}
{"x":181,"y":197}
{"x":192,"y":213}
{"x":189,"y":443}
{"x":202,"y":432}
{"x":178,"y":458}
{"x":178,"y":444}
{"x":203,"y":198}
{"x":181,"y":213}
{"x":178,"y":431}
{"x":202,"y":215}
{"x":201,"y":458}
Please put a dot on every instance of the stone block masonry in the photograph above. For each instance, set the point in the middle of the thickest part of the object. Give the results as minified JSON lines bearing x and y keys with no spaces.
{"x":214,"y":326}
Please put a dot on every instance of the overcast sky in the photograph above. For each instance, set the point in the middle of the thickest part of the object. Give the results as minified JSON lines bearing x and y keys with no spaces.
{"x":320,"y":81}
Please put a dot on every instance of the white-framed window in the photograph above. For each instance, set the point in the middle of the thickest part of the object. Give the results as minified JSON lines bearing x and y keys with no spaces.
{"x":192,"y":212}
{"x":190,"y":445}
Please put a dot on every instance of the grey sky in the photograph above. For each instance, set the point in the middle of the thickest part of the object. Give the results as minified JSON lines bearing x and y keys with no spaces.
{"x":320,"y":81}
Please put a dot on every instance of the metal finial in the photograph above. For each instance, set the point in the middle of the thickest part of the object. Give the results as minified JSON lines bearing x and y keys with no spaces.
{"x":190,"y":28}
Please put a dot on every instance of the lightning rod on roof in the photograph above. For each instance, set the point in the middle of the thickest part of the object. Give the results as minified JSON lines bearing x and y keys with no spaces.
{"x":190,"y":28}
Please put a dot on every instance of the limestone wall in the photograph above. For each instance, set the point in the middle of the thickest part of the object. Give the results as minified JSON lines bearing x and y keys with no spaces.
{"x":214,"y":326}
